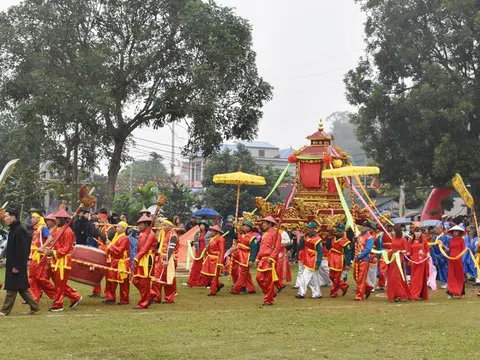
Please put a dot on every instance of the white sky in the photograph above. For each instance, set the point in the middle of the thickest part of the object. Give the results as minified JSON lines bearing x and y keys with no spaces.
{"x":304,"y":48}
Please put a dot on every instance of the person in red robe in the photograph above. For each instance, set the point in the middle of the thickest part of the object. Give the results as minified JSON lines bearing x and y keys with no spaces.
{"x":37,"y":276}
{"x":456,"y":276}
{"x":339,"y":259}
{"x":144,"y":262}
{"x":266,"y":259}
{"x":213,"y":261}
{"x":105,"y":233}
{"x":245,"y":258}
{"x":363,"y":247}
{"x":386,"y":240}
{"x":418,"y":251}
{"x":118,"y":257}
{"x":199,"y":242}
{"x":397,"y":287}
{"x":165,"y":279}
{"x":282,"y":266}
{"x":62,"y":263}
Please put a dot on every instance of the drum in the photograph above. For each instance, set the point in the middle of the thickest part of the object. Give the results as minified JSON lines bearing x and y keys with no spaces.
{"x":86,"y":274}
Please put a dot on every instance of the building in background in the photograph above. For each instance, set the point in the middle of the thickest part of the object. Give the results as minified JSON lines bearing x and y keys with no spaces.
{"x":264,"y":153}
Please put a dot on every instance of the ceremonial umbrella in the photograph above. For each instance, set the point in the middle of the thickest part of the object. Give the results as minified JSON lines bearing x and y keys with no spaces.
{"x":238,"y":178}
{"x":401,"y":221}
{"x":428,"y":223}
{"x":208,"y":213}
{"x":350,"y":171}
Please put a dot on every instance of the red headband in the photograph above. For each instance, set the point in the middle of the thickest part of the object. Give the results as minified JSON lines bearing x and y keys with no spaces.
{"x":103,"y":216}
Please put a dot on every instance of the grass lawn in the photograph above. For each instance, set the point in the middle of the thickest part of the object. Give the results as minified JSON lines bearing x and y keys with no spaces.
{"x":236,"y":327}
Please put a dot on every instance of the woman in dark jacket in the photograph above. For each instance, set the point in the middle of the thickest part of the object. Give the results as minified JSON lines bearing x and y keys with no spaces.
{"x":16,"y":276}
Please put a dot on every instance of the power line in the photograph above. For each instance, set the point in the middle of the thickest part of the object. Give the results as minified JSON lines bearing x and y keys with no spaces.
{"x":157,"y":143}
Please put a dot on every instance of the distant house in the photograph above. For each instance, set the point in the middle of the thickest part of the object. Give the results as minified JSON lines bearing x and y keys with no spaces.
{"x":264,"y":154}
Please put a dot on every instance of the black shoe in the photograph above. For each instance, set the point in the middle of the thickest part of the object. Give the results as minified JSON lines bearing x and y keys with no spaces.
{"x":265,"y":304}
{"x":95,"y":295}
{"x":252,"y":292}
{"x":476,"y":284}
{"x":397,"y":299}
{"x":280,"y":290}
{"x":367,"y":295}
{"x":299,"y":296}
{"x":108,"y":302}
{"x":152,"y":299}
{"x":139,"y":308}
{"x":55,"y":309}
{"x":243,"y":289}
{"x":210,"y":294}
{"x":234,"y":293}
{"x":220,"y":287}
{"x":344,"y":292}
{"x":76,"y":302}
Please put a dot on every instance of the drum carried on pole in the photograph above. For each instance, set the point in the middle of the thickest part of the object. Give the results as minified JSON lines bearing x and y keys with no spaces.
{"x":88,"y":274}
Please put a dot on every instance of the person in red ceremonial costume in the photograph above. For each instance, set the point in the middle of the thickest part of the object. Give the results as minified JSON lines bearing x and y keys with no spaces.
{"x":213,"y":261}
{"x":199,"y":242}
{"x":38,"y":276}
{"x":363,"y":247}
{"x":62,"y":262}
{"x":144,"y":261}
{"x":118,"y":257}
{"x":282,"y":266}
{"x":266,"y":258}
{"x":456,"y":276}
{"x":339,"y":259}
{"x":245,"y":258}
{"x":386,"y":239}
{"x":418,"y":251}
{"x":165,"y":267}
{"x":106,"y":232}
{"x":397,"y":287}
{"x":312,"y":258}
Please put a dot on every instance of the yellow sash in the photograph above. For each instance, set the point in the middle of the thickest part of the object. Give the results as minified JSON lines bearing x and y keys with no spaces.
{"x":62,"y":265}
{"x":144,"y":263}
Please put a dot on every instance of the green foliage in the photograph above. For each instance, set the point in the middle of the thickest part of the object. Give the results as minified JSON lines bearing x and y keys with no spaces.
{"x":143,"y":171}
{"x":418,"y":90}
{"x":344,"y":132}
{"x":125,"y":202}
{"x":179,"y":201}
{"x":222,"y":197}
{"x":108,"y":67}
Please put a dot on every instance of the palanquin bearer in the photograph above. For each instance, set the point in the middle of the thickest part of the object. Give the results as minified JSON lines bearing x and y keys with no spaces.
{"x":118,"y":258}
{"x":323,"y":270}
{"x":374,"y":257}
{"x":266,"y":260}
{"x":166,"y":266}
{"x":62,"y":262}
{"x":386,"y":239}
{"x":245,"y":258}
{"x":104,"y":233}
{"x":38,"y":276}
{"x":311,"y":242}
{"x":213,"y":261}
{"x":363,"y":248}
{"x":282,"y":267}
{"x":339,"y":259}
{"x":144,"y":261}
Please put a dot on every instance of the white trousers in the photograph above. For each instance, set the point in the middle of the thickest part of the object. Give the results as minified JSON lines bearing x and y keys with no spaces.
{"x":309,"y":278}
{"x":323,"y":272}
{"x":434,"y":277}
{"x":372,"y":275}
{"x":299,"y":275}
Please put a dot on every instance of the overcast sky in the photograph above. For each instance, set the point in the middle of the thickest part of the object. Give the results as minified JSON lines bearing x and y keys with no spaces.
{"x":304,"y":48}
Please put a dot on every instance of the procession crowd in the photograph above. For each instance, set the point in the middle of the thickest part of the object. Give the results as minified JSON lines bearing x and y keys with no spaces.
{"x":405,"y":264}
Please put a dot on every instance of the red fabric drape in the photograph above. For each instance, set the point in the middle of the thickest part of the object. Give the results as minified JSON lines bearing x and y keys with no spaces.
{"x":310,"y":174}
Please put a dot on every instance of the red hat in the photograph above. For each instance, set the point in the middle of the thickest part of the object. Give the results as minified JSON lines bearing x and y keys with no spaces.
{"x":62,"y":213}
{"x":144,"y":218}
{"x":216,"y":228}
{"x":270,"y":219}
{"x":50,"y":217}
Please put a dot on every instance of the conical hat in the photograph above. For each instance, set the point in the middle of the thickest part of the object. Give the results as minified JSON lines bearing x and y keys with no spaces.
{"x":456,"y":228}
{"x":144,"y":218}
{"x":62,"y":213}
{"x":270,"y":219}
{"x":216,"y":228}
{"x":144,"y":210}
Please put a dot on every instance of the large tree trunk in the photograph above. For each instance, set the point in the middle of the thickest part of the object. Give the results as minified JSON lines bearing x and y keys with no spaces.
{"x":113,"y":170}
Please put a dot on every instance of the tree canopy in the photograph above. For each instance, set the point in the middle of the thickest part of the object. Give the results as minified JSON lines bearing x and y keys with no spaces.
{"x":417,"y":90}
{"x":222,"y":197}
{"x":96,"y":70}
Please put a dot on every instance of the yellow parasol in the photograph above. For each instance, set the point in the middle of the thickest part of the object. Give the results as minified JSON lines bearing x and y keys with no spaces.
{"x":350,"y":171}
{"x":238,"y":178}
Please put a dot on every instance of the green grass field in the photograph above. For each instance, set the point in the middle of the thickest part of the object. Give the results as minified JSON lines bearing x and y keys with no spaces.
{"x":236,"y":327}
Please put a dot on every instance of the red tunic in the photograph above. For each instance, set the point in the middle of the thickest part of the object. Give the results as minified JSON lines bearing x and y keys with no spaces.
{"x":311,"y":254}
{"x":118,"y":257}
{"x":456,"y":277}
{"x":269,"y":249}
{"x":336,"y":254}
{"x":63,"y":248}
{"x":397,"y":287}
{"x":242,"y":255}
{"x":419,"y":272}
{"x":145,"y":258}
{"x":196,"y":279}
{"x":214,"y":256}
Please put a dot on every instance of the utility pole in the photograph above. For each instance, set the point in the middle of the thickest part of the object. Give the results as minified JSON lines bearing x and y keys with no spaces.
{"x":172,"y":165}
